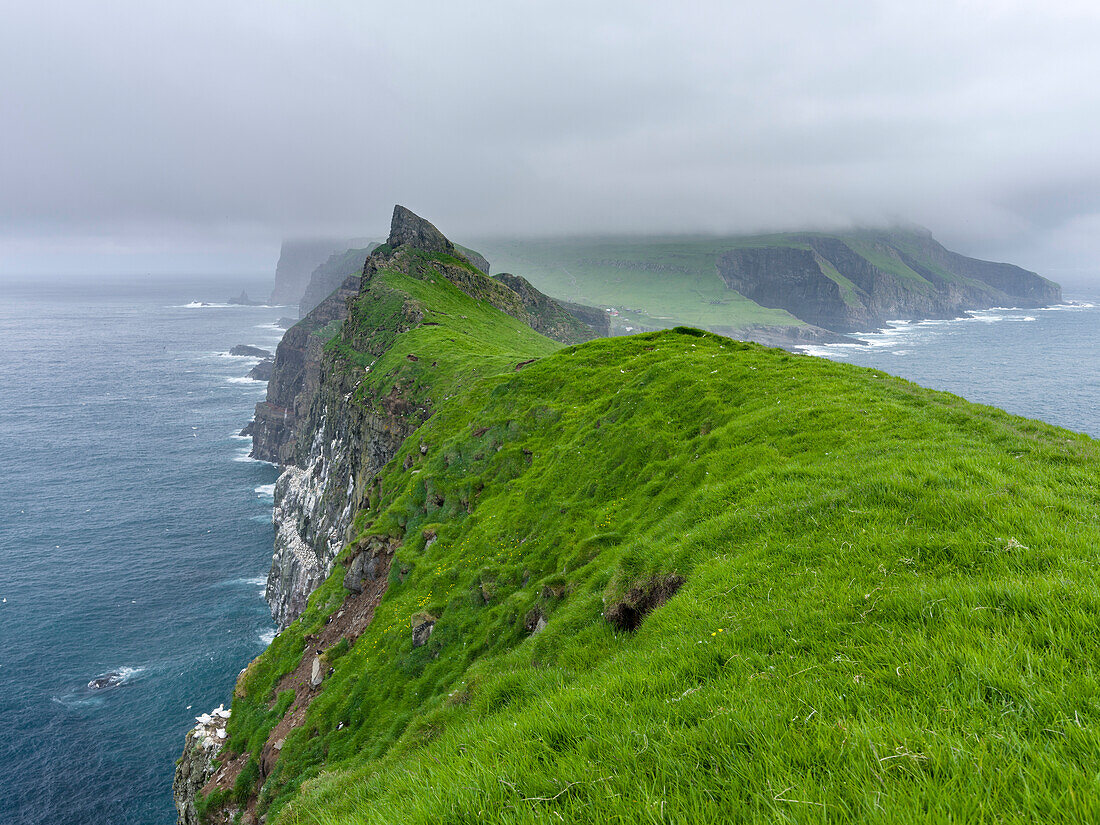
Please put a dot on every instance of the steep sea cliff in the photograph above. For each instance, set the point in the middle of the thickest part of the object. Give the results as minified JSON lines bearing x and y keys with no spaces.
{"x":330,"y":447}
{"x":861,"y":280}
{"x":331,"y":450}
{"x":344,"y":410}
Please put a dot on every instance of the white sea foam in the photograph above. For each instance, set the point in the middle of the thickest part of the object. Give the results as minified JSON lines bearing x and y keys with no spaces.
{"x":267,"y":637}
{"x":237,"y":359}
{"x":244,"y":379}
{"x":266,"y":491}
{"x":821,"y":351}
{"x":115,"y":678}
{"x":901,"y":331}
{"x":246,"y":581}
{"x":128,"y":674}
{"x":1068,"y":306}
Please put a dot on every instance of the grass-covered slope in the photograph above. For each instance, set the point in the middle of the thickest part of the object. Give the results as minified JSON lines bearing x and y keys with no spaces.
{"x":652,"y":283}
{"x":882,"y":601}
{"x":843,"y":281}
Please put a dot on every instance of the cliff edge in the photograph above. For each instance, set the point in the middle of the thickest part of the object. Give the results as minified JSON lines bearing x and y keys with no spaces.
{"x":329,"y":448}
{"x":664,"y":577}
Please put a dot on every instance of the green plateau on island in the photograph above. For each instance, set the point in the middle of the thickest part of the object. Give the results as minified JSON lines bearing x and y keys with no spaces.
{"x":669,"y":577}
{"x":779,"y":284}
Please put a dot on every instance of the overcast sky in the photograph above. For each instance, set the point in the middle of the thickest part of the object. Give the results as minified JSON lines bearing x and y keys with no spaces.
{"x":193,"y":136}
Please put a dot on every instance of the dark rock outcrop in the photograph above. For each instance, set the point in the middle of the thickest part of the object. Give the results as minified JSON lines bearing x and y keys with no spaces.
{"x":262,"y":371}
{"x":598,"y":319}
{"x":476,"y":258}
{"x":408,"y":228}
{"x":250,"y":352}
{"x":551,"y":317}
{"x":244,"y":300}
{"x":369,"y":562}
{"x":296,"y":377}
{"x":422,"y":625}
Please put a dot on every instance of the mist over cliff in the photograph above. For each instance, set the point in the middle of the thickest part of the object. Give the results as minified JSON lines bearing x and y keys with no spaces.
{"x":155,"y":144}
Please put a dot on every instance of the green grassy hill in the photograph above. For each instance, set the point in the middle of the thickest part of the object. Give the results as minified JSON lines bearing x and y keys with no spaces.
{"x":654,"y":283}
{"x":842,"y":281}
{"x":678,"y":578}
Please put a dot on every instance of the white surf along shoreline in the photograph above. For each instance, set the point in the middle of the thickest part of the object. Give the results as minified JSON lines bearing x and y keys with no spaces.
{"x":899,"y":332}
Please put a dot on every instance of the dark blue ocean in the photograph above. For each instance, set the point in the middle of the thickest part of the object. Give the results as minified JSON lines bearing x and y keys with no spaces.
{"x":1040,"y":363}
{"x":135,"y":539}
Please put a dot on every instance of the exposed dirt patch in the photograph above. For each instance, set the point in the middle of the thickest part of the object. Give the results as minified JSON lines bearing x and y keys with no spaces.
{"x":346,"y":623}
{"x":627,"y":612}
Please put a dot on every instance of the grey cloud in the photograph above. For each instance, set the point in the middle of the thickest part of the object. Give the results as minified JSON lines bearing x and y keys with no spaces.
{"x":162,"y":129}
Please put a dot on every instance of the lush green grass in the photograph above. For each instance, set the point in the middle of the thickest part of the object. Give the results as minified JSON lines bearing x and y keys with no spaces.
{"x":687,"y":290}
{"x":891,"y":607}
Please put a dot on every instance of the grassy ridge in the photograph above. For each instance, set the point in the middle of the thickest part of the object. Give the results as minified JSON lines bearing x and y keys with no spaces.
{"x":890,"y":607}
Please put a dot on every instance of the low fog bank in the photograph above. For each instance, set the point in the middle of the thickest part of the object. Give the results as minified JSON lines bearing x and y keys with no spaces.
{"x":193,"y":137}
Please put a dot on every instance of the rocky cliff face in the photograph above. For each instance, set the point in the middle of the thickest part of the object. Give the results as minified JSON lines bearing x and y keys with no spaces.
{"x":789,"y":279}
{"x":330,"y":446}
{"x":328,"y":277}
{"x":297,"y":260}
{"x":296,"y":377}
{"x":598,"y":319}
{"x":316,"y":497}
{"x":476,"y":258}
{"x":847,"y":284}
{"x":556,"y":319}
{"x":198,"y":765}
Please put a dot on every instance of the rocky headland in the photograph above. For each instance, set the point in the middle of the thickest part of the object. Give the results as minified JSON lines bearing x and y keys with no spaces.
{"x":517,"y":506}
{"x":848,"y":283}
{"x":331,"y":449}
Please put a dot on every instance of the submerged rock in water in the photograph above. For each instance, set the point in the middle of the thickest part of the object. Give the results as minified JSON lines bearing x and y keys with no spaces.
{"x":244,"y":300}
{"x":262,"y":371}
{"x":251,"y":352}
